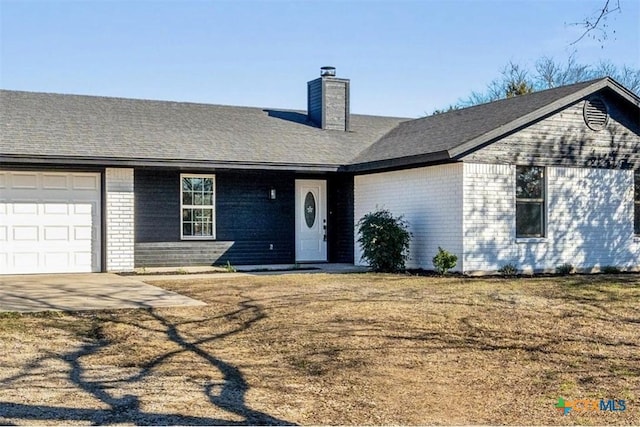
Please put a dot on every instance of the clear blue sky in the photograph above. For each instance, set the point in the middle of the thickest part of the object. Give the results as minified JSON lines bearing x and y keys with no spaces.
{"x":404,"y":58}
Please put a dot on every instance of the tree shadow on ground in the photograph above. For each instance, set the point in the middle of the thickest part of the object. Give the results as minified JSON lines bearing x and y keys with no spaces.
{"x":229,"y":395}
{"x":580,"y":327}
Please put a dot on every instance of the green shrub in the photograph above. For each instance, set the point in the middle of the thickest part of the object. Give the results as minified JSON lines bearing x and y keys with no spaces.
{"x":610,"y":269}
{"x":384,"y":240}
{"x":508,"y":270}
{"x":444,"y":261}
{"x":564,"y":269}
{"x":230,"y":268}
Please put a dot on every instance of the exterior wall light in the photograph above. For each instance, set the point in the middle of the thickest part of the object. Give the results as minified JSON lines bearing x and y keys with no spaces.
{"x":272,"y":193}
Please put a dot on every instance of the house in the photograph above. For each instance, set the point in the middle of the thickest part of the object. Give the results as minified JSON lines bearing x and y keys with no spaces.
{"x":107,"y":184}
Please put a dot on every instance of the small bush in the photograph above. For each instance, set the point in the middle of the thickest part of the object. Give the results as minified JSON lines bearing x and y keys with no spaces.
{"x":508,"y":270}
{"x":444,"y":261}
{"x":230,"y":268}
{"x":564,"y":269}
{"x":610,"y":269}
{"x":384,"y":240}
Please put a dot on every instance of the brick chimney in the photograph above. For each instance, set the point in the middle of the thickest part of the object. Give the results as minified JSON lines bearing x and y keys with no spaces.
{"x":328,"y":100}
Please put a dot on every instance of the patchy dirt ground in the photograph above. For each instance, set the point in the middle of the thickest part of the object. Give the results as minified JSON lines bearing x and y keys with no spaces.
{"x":334,"y":349}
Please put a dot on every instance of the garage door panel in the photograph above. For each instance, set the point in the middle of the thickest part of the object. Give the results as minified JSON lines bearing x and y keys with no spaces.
{"x":55,"y":182}
{"x":55,"y":260}
{"x":25,"y":260}
{"x":24,"y":181}
{"x":85,"y":182}
{"x":82,"y":233}
{"x":83,"y":208}
{"x":53,"y":208}
{"x":23,"y":233}
{"x":52,"y":228}
{"x":56,"y":233}
{"x":82,"y":258}
{"x":25,"y":208}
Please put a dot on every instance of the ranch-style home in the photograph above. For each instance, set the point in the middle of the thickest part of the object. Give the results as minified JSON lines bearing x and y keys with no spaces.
{"x":92,"y":184}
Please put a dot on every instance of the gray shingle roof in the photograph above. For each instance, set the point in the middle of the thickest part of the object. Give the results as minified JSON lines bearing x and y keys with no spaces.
{"x":47,"y":127}
{"x":451,"y":134}
{"x":53,"y":125}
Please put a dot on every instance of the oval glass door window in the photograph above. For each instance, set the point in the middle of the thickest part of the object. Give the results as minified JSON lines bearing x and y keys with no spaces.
{"x":310,"y":209}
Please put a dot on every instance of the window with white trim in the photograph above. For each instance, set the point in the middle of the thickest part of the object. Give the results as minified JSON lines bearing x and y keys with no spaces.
{"x":530,"y":201}
{"x":197,"y":204}
{"x":636,"y":201}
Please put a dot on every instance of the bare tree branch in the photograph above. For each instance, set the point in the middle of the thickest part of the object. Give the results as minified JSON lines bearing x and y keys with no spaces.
{"x":593,"y":23}
{"x":548,"y":73}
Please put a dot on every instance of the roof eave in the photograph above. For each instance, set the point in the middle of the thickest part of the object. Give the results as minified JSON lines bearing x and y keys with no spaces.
{"x":399,"y":163}
{"x":162,"y":163}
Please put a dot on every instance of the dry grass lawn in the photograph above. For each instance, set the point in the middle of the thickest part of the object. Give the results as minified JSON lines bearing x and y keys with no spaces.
{"x":334,"y":349}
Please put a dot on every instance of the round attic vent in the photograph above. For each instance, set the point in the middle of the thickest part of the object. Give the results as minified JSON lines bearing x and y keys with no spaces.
{"x":595,"y":113}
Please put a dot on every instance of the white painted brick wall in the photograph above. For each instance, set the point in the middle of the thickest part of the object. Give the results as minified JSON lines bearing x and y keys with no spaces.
{"x":430,"y":199}
{"x":120,"y":219}
{"x":589,"y":220}
{"x":489,"y":217}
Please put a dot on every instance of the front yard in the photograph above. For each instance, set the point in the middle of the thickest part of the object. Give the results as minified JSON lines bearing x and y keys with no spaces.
{"x":334,"y":349}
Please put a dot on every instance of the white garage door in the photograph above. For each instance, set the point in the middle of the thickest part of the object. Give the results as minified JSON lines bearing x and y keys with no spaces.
{"x":49,"y":222}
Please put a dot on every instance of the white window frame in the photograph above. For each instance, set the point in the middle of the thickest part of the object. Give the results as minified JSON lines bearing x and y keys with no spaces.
{"x":542,"y":200}
{"x":212,"y":207}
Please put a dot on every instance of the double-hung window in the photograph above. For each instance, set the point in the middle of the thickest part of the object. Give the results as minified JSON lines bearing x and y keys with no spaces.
{"x":636,"y":202}
{"x":530,"y":201}
{"x":197,"y":202}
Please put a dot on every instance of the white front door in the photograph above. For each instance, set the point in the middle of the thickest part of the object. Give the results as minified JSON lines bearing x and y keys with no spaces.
{"x":311,"y":220}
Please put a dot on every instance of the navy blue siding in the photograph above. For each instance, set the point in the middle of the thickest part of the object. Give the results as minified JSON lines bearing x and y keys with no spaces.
{"x":340,"y":213}
{"x":248,"y":224}
{"x":246,"y":216}
{"x":157,"y":206}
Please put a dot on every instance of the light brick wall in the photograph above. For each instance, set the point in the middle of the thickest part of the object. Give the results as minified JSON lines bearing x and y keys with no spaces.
{"x":430,"y":199}
{"x":120,"y":219}
{"x":489,"y":217}
{"x":589,"y":216}
{"x":589,"y":220}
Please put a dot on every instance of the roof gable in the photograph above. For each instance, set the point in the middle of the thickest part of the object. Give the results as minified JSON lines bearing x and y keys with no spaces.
{"x":449,"y":136}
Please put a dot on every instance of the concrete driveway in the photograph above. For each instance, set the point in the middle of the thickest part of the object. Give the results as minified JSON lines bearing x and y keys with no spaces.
{"x":91,"y":291}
